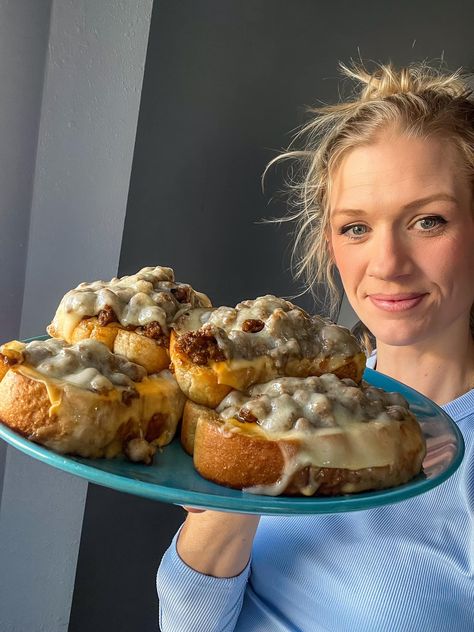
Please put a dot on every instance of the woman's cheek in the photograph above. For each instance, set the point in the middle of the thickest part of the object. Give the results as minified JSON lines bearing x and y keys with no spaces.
{"x":350,"y":266}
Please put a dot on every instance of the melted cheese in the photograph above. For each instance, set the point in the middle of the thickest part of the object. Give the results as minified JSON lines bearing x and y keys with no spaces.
{"x":87,"y":364}
{"x":356,"y":446}
{"x":100,"y":404}
{"x":234,"y":372}
{"x":305,"y":404}
{"x":286,"y":331}
{"x":89,"y":424}
{"x":53,"y":389}
{"x":136,"y":300}
{"x":332,"y":422}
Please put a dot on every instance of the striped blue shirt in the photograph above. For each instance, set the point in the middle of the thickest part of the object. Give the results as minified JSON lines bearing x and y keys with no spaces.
{"x":406,"y":567}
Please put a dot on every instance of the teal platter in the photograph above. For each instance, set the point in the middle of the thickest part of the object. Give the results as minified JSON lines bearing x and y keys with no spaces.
{"x":172,"y":478}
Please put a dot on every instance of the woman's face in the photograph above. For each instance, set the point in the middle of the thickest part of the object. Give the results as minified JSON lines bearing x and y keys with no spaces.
{"x":402,"y":237}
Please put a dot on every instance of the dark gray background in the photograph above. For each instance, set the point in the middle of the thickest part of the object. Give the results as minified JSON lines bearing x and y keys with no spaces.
{"x":225,"y":82}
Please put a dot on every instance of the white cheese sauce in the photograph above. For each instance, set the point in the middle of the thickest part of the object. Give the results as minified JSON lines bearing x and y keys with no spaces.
{"x":306,"y":404}
{"x":334,"y":423}
{"x":87,"y":364}
{"x":286,"y":331}
{"x":150,"y":295}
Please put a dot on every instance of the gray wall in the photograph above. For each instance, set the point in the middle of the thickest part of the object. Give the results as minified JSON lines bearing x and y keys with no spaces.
{"x":73,"y":82}
{"x":24,"y":28}
{"x":87,"y":134}
{"x":224,"y":83}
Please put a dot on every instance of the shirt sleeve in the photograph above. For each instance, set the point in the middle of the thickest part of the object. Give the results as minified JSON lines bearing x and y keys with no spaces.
{"x":193,"y":601}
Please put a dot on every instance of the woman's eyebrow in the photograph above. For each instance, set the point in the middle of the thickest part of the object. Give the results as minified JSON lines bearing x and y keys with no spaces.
{"x":446,"y":197}
{"x":348,"y":212}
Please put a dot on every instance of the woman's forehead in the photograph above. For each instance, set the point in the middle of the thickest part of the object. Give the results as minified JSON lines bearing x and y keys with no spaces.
{"x":398,"y":169}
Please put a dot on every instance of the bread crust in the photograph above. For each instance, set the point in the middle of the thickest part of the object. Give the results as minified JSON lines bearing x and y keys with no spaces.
{"x":209,"y":384}
{"x":243,"y":455}
{"x":191,"y":413}
{"x":142,"y":350}
{"x":74,"y":420}
{"x":89,"y":328}
{"x":24,"y":403}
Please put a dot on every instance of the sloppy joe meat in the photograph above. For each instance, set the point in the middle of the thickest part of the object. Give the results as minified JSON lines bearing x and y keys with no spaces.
{"x":244,"y":414}
{"x":181,"y":293}
{"x":252,"y":325}
{"x":7,"y":360}
{"x":106,"y":316}
{"x":201,"y":346}
{"x":154,"y":331}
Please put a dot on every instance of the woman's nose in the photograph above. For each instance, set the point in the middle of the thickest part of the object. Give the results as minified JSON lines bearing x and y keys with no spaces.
{"x":389,"y":257}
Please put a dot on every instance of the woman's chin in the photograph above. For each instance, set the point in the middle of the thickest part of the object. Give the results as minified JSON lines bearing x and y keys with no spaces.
{"x":400,"y":336}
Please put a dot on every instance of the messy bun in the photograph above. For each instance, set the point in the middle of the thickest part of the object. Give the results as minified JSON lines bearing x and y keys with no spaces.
{"x":418,"y":100}
{"x":386,"y":81}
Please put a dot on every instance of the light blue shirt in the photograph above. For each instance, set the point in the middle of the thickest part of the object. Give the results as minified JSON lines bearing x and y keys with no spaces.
{"x":400,"y":568}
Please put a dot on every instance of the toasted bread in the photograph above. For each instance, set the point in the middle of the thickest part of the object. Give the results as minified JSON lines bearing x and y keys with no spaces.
{"x":350,"y":456}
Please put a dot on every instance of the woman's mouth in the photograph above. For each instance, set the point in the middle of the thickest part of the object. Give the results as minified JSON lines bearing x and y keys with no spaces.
{"x":396,"y":302}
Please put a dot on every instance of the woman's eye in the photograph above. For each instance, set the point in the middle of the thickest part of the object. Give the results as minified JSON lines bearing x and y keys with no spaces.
{"x":354,"y":230}
{"x":430,"y":223}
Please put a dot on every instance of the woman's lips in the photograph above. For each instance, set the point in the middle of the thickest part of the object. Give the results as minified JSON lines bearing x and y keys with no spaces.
{"x":396,"y":302}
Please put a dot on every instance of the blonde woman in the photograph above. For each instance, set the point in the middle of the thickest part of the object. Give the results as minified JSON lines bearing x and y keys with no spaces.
{"x":386,"y":198}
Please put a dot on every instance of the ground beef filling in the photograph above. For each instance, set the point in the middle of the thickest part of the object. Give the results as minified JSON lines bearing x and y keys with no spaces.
{"x":182,"y":293}
{"x":128,"y":395}
{"x":155,"y":426}
{"x":328,"y":481}
{"x":106,"y":316}
{"x":153,"y":330}
{"x":253,"y":325}
{"x":244,"y":414}
{"x":8,"y":361}
{"x":200,"y":346}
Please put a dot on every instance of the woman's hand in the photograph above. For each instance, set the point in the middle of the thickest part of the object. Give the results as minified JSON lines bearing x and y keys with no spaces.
{"x":217,"y":543}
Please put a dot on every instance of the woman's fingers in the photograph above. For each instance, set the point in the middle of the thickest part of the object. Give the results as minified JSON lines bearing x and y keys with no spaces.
{"x":192,"y":509}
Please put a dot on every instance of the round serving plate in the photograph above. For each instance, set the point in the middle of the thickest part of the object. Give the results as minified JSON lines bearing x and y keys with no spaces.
{"x":172,"y":478}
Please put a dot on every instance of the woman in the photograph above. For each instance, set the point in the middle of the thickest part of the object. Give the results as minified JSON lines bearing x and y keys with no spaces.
{"x":386,"y":199}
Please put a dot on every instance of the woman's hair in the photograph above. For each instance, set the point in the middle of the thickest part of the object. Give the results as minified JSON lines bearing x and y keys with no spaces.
{"x":418,"y":100}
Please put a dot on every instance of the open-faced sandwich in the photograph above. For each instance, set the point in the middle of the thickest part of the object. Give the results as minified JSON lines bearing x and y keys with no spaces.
{"x":216,"y":350}
{"x":317,"y":435}
{"x":83,"y":399}
{"x":131,"y":315}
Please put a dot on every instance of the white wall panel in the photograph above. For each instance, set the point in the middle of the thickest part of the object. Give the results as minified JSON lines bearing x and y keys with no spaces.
{"x":78,"y":195}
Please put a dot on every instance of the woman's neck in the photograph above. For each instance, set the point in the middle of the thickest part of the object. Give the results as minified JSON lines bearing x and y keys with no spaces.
{"x":441,"y":371}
